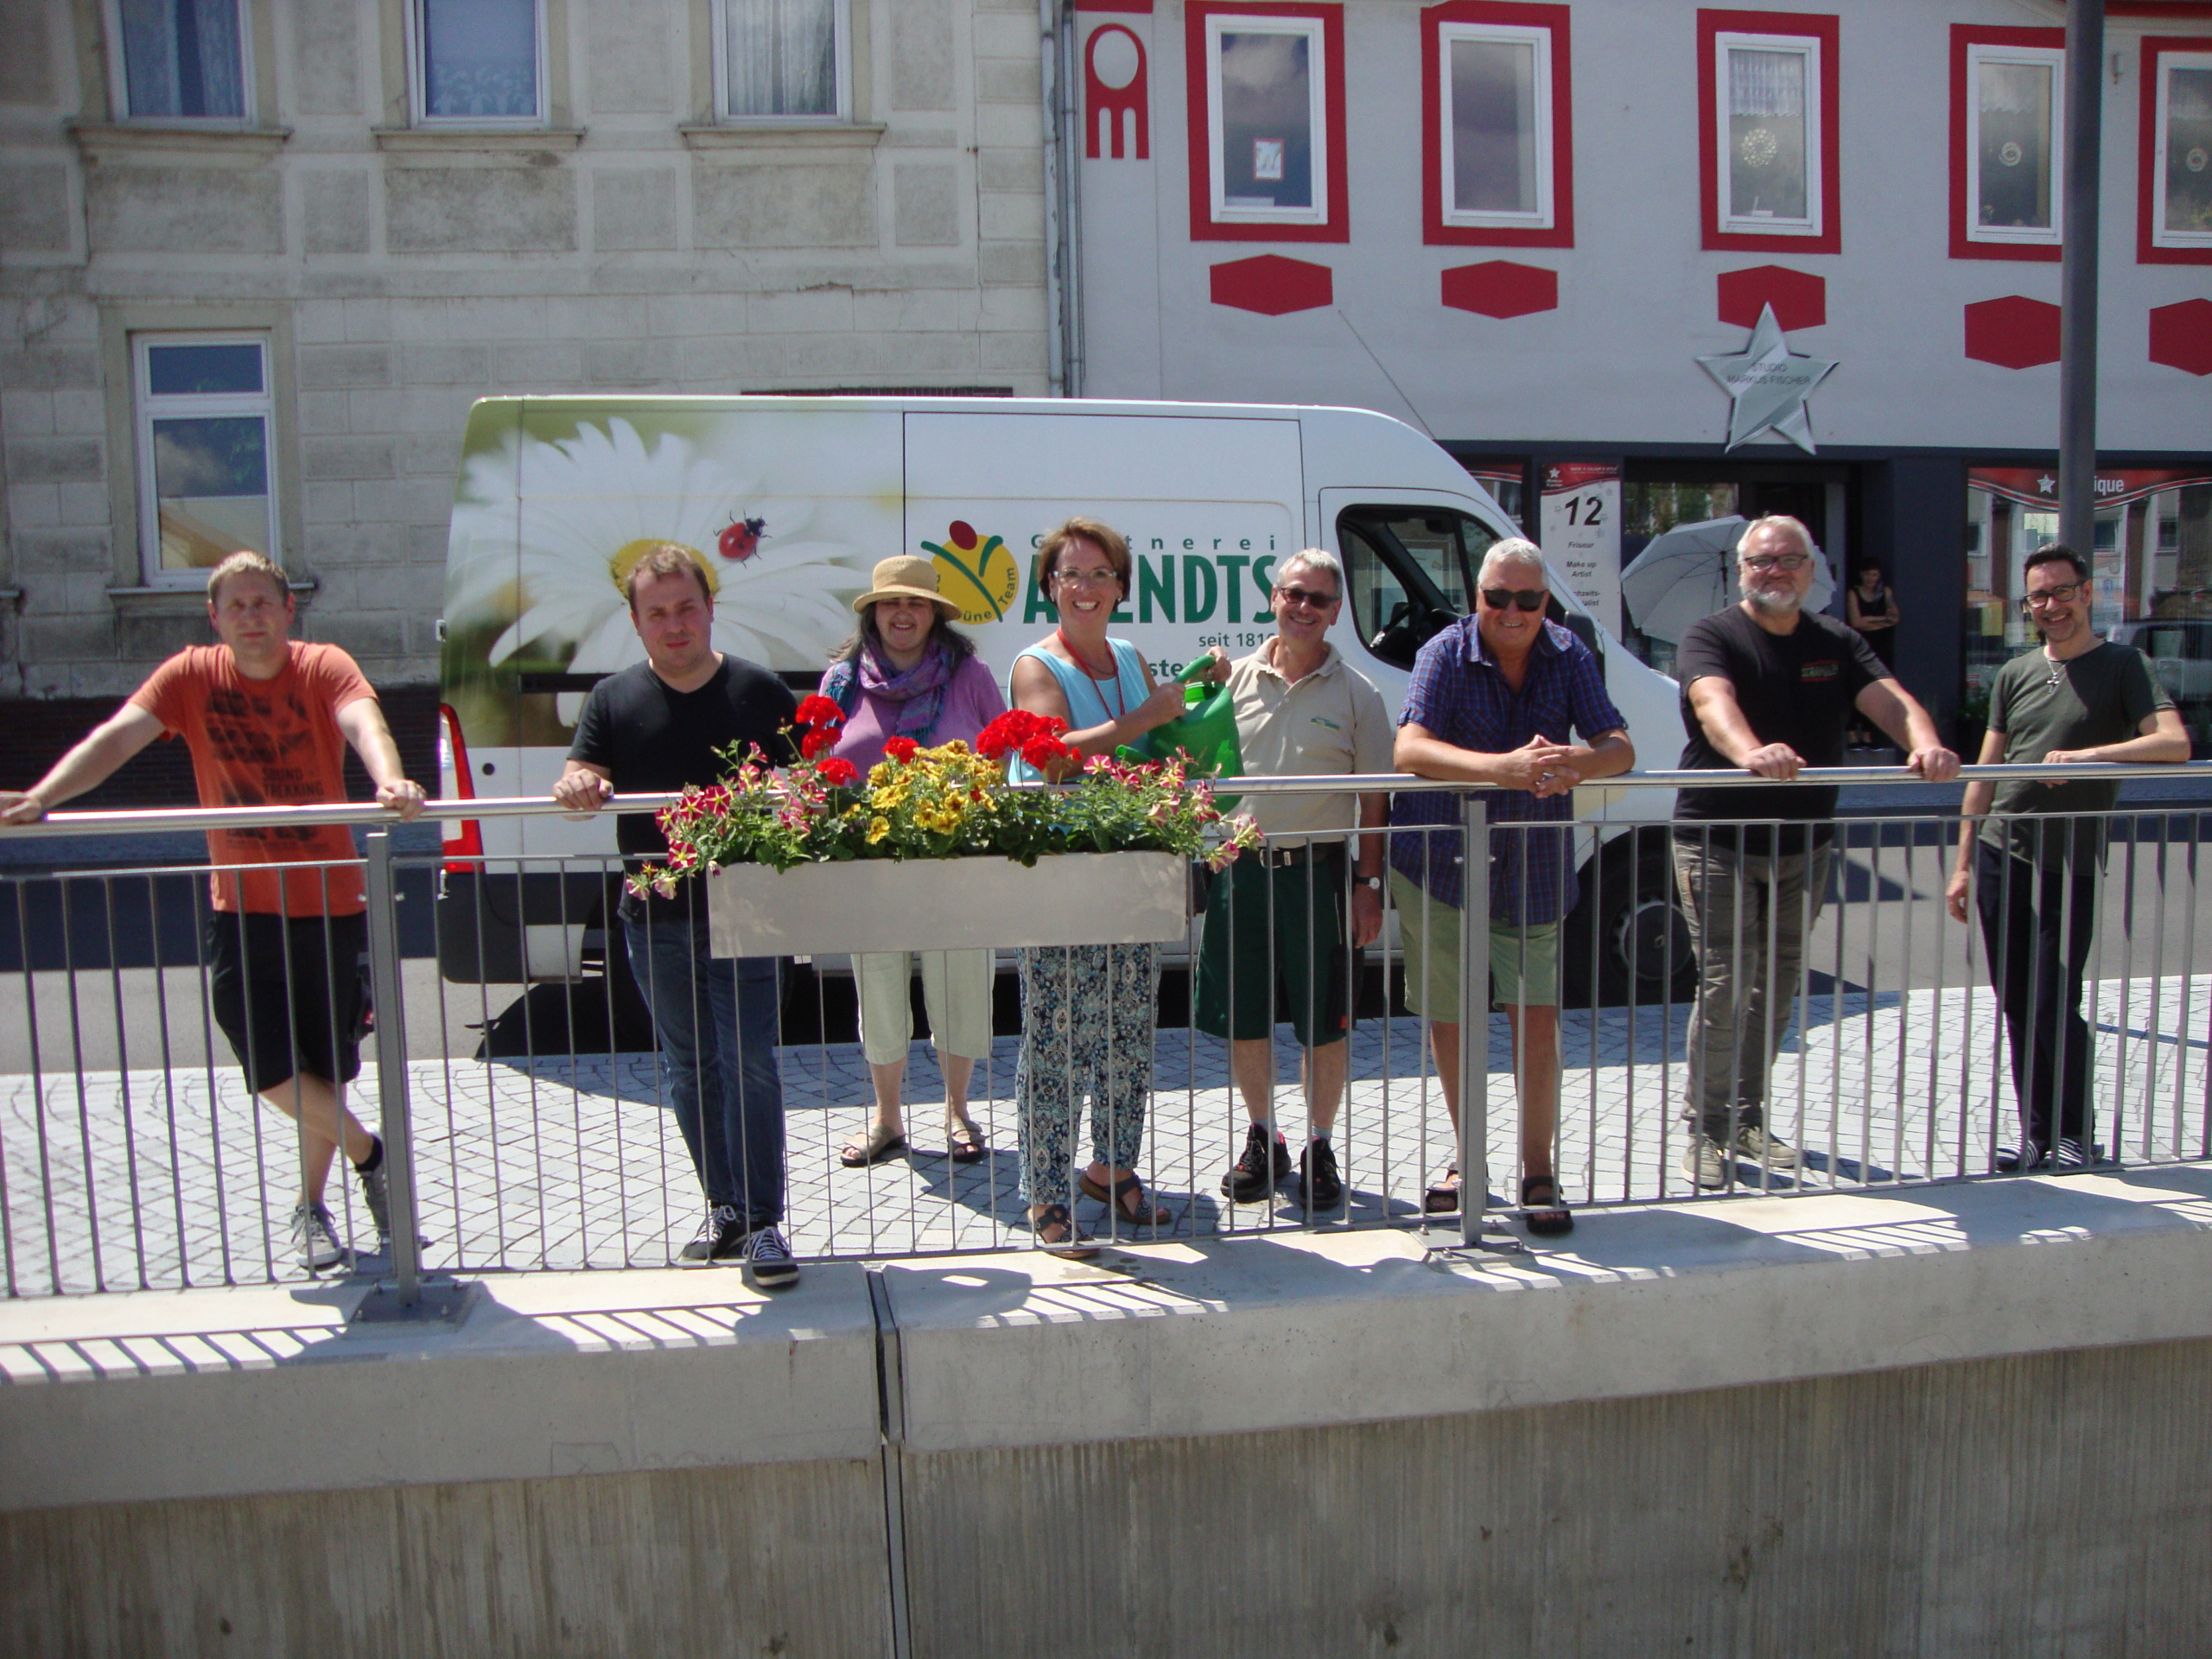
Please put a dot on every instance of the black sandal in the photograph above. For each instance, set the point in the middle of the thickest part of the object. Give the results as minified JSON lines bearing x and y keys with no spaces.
{"x":1442,"y":1198}
{"x":1145,"y":1214}
{"x":1541,"y":1209}
{"x":1071,"y":1245}
{"x":878,"y":1144}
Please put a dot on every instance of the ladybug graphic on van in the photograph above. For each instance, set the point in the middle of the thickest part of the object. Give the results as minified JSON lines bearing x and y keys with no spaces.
{"x":976,"y":572}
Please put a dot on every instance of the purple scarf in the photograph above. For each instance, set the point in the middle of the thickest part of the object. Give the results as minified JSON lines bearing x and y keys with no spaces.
{"x":919,"y":692}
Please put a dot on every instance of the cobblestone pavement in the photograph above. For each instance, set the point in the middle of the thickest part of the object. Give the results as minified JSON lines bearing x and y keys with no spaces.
{"x":145,"y":1178}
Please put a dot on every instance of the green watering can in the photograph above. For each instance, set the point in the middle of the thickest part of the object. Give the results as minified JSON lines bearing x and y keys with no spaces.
{"x":1205,"y":731}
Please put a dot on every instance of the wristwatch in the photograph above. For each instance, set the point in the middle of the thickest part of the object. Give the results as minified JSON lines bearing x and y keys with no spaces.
{"x":1373,"y":881}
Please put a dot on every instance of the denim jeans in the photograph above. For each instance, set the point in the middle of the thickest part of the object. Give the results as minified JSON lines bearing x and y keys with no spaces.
{"x":715,"y":1018}
{"x":1732,"y":900}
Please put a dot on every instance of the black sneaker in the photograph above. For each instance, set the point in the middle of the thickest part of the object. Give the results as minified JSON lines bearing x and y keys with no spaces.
{"x":1255,"y":1174}
{"x":768,"y":1261}
{"x":720,"y":1239}
{"x":1318,"y":1184}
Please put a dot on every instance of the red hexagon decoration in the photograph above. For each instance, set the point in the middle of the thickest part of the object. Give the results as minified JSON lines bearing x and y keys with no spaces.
{"x":1499,"y":288}
{"x":2013,"y":333}
{"x":1272,"y":285}
{"x":2181,"y":336}
{"x":1800,"y":300}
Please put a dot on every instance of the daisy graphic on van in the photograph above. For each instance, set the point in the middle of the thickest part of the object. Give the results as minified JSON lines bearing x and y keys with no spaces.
{"x":547,"y":533}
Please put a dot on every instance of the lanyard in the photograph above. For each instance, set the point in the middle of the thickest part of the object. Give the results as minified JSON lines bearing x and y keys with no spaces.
{"x":1098,"y":683}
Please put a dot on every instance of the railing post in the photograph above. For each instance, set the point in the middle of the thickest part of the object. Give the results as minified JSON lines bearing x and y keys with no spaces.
{"x":404,"y":1296}
{"x":1474,"y":1016}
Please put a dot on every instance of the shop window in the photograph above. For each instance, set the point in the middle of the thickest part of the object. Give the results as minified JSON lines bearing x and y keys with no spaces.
{"x":477,"y":63}
{"x":2150,"y":559}
{"x":1767,"y":119}
{"x":181,"y":59}
{"x":2176,"y":199}
{"x":204,"y":414}
{"x":2008,"y":109}
{"x":1498,"y":151}
{"x":782,"y":59}
{"x":1267,"y":123}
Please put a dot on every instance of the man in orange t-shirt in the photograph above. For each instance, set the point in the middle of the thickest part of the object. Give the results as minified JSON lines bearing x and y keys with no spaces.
{"x":267,"y":719}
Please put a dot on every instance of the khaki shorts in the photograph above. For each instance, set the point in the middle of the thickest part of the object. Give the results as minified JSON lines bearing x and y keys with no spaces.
{"x":1523,"y":960}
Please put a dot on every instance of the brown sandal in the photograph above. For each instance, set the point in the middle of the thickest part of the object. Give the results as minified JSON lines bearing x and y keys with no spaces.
{"x":1071,"y":1244}
{"x":1146,"y":1212}
{"x":963,"y":1143}
{"x":1541,"y":1209}
{"x":1442,"y":1198}
{"x":878,"y":1144}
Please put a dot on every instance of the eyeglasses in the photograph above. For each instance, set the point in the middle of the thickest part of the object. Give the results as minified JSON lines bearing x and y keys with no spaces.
{"x":1764,"y":562}
{"x":2062,"y":594}
{"x":1084,"y":578}
{"x":1307,"y":597}
{"x":1528,"y":599}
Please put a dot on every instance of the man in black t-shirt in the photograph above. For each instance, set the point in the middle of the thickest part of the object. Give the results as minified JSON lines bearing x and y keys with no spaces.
{"x":653,"y":728}
{"x":1767,"y":688}
{"x":2034,"y":874}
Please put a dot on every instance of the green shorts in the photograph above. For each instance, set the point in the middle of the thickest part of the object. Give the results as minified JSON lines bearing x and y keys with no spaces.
{"x":1523,"y":960}
{"x":1295,"y":964}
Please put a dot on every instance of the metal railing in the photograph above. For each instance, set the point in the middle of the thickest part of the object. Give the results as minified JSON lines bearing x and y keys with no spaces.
{"x":524,"y":1129}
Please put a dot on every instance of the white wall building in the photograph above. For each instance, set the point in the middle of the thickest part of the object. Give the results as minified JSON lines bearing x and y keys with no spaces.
{"x":1520,"y":226}
{"x":257,"y":257}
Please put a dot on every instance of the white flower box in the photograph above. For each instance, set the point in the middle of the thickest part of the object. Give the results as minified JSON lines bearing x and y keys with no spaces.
{"x":947,"y":904}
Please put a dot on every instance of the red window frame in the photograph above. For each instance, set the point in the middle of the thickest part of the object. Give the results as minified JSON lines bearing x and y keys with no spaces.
{"x":1337,"y":226}
{"x":1964,"y":35}
{"x":2148,"y":251}
{"x":1520,"y":14}
{"x":1806,"y":25}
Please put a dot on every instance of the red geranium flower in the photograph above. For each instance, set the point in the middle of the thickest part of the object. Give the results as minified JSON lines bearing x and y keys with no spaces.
{"x":838,"y":770}
{"x":900,"y":749}
{"x":1045,"y":750}
{"x":818,"y":743}
{"x":1016,"y":729}
{"x":818,"y":711}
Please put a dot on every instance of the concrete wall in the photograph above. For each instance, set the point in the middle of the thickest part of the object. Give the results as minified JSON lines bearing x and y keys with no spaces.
{"x":1947,"y":1421}
{"x":630,"y":244}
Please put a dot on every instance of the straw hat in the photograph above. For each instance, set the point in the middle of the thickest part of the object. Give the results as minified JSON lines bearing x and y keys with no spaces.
{"x":909,"y":576}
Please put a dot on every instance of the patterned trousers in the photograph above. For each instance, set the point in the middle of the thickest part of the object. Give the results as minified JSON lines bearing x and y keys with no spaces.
{"x":1087,"y":1012}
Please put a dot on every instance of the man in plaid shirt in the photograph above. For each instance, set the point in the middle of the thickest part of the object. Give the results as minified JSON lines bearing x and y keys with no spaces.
{"x":1492,"y":699}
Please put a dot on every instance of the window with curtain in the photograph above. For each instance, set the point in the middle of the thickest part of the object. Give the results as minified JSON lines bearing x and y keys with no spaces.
{"x":1498,"y":148}
{"x":204,"y":414}
{"x":2014,"y":104}
{"x":182,"y":60}
{"x":781,"y":58}
{"x":1770,"y":135}
{"x":2183,"y":174}
{"x":477,"y":59}
{"x":1264,"y":98}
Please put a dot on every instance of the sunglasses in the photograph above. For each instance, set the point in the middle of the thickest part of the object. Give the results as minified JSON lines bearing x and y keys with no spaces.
{"x":1528,"y":599}
{"x":1307,"y":597}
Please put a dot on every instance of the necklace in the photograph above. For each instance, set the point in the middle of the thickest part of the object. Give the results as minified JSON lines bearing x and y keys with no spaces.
{"x":1099,"y":682}
{"x":2059,"y":675}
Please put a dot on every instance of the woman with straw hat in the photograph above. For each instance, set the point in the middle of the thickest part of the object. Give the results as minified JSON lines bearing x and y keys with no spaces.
{"x":907,"y":673}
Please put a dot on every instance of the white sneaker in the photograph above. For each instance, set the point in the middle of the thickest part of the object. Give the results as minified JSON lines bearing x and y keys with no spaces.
{"x":1704,"y":1162}
{"x":1756,"y":1144}
{"x":768,"y":1260}
{"x":316,"y":1237}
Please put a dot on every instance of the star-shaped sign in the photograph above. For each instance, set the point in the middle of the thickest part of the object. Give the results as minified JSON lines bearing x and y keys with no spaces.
{"x":1767,"y":385}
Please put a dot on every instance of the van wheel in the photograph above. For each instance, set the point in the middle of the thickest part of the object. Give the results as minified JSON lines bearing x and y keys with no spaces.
{"x":1628,"y":927}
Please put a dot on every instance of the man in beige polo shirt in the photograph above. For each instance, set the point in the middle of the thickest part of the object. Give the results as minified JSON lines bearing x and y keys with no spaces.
{"x":1279,"y":933}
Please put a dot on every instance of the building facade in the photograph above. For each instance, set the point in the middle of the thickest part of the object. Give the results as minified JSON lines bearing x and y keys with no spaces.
{"x":1641,"y":263}
{"x":258,"y":257}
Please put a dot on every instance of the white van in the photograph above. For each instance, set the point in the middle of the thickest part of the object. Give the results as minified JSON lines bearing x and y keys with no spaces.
{"x":791,"y":501}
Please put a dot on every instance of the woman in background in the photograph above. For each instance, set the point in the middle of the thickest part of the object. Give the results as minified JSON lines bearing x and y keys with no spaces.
{"x":907,"y":673}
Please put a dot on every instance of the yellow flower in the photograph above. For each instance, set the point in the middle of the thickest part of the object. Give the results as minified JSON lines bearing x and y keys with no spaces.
{"x":877,"y":830}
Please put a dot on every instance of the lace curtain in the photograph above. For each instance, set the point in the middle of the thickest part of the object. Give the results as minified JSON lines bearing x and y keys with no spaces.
{"x":1766,"y":82}
{"x":180,"y":58}
{"x":782,"y":56}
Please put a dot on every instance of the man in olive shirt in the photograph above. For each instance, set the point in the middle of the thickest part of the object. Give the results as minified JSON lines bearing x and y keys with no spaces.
{"x":2034,"y":876}
{"x":1275,"y":921}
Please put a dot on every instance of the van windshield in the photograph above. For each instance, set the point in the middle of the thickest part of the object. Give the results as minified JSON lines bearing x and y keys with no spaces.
{"x":1409,"y":570}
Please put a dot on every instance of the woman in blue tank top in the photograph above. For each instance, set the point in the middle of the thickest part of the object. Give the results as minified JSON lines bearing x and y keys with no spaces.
{"x":1087,"y":1010}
